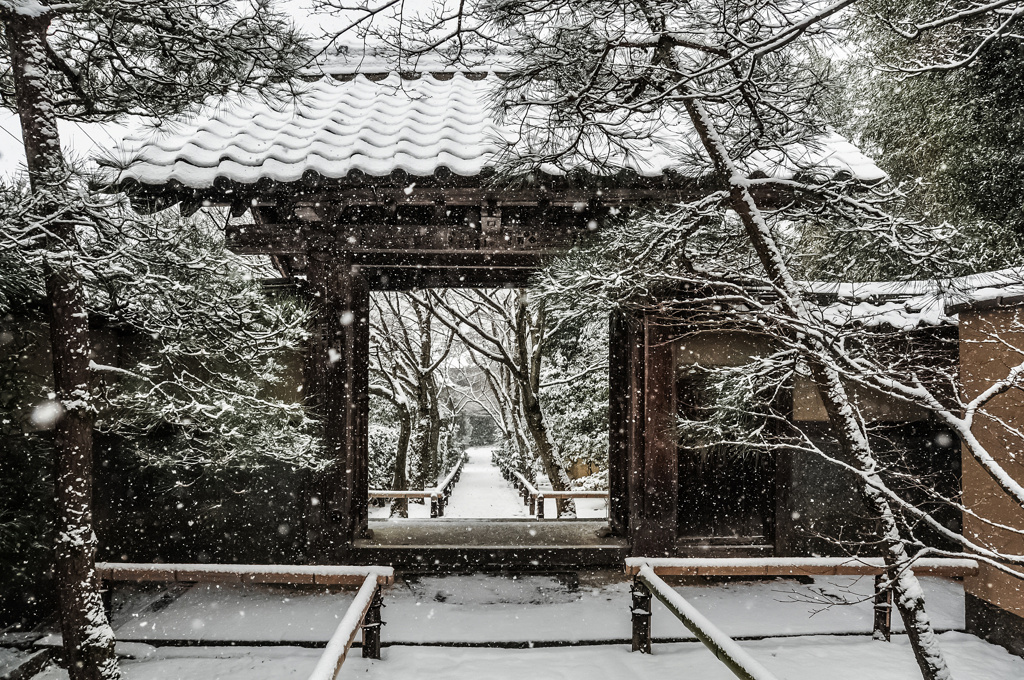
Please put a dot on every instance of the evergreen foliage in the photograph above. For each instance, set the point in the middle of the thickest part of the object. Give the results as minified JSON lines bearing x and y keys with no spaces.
{"x":953,"y":138}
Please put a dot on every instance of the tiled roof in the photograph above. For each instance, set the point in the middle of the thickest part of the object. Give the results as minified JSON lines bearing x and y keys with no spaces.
{"x":380,"y":124}
{"x":905,"y":305}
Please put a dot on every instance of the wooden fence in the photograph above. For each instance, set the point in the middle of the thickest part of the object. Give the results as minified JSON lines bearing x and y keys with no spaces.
{"x":534,"y":497}
{"x":725,"y":649}
{"x":779,"y":566}
{"x":439,"y":495}
{"x":363,"y":613}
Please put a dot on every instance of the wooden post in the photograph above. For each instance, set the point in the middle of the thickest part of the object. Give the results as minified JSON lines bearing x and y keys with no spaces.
{"x":641,"y":612}
{"x":540,"y":506}
{"x":618,"y":424}
{"x":435,"y":507}
{"x":533,"y":504}
{"x":882,"y":629}
{"x":107,"y":595}
{"x":371,"y":627}
{"x":338,"y":368}
{"x":654,"y":455}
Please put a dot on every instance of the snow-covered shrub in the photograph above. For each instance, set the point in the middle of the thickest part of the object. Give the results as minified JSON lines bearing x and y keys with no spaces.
{"x":383,"y":448}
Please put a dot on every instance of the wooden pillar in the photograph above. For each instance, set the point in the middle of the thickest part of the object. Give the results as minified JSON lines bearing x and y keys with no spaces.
{"x":371,"y":627}
{"x":641,"y":618}
{"x":618,"y":423}
{"x":654,"y":458}
{"x":337,"y":375}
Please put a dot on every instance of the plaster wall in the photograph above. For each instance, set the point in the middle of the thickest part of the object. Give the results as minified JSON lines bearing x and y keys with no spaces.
{"x":992,"y":344}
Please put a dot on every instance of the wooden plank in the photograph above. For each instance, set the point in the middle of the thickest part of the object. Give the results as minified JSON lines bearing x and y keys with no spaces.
{"x":245,"y":573}
{"x":279,"y":577}
{"x":338,"y":579}
{"x":140,"y":574}
{"x":733,"y":570}
{"x":425,"y":493}
{"x":207,"y":575}
{"x":797,"y":566}
{"x":549,"y":493}
{"x":805,"y":570}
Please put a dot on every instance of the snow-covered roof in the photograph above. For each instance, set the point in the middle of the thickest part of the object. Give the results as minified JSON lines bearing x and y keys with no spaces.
{"x":379,"y":123}
{"x":905,"y":305}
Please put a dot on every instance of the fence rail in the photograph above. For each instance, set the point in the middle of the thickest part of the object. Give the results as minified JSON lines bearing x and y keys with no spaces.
{"x":363,"y":613}
{"x":795,"y":566}
{"x":439,"y":495}
{"x":535,"y":497}
{"x":725,"y":649}
{"x":243,"y":573}
{"x":806,"y":566}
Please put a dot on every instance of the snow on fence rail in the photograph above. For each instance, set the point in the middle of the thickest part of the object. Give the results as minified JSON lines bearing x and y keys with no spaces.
{"x":795,"y":566}
{"x":364,"y":612}
{"x":535,"y":497}
{"x":802,"y":566}
{"x":724,"y":648}
{"x":439,"y":495}
{"x":244,"y":573}
{"x":528,"y":492}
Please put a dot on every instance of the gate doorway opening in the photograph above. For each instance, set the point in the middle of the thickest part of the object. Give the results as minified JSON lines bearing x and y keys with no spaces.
{"x":485,"y":403}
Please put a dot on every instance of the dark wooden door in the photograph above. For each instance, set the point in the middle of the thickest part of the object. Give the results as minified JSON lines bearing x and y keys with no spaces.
{"x":725,"y":491}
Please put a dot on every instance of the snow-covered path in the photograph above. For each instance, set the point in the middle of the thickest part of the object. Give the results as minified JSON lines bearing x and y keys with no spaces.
{"x":482,"y":492}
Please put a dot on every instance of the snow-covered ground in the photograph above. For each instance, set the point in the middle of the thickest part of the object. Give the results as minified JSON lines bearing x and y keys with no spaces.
{"x":810,"y":622}
{"x":806,"y":658}
{"x":482,"y":493}
{"x":539,"y":608}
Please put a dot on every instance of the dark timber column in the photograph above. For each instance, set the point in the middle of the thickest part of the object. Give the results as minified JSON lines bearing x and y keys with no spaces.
{"x":338,"y":368}
{"x":655,"y":458}
{"x":618,"y":423}
{"x":637,"y":490}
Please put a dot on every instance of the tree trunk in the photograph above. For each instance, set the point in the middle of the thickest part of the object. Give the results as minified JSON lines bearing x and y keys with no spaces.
{"x":529,"y":382}
{"x":400,"y":506}
{"x":421,"y":438}
{"x":534,"y":417}
{"x":852,"y":438}
{"x":88,"y":638}
{"x":433,"y":431}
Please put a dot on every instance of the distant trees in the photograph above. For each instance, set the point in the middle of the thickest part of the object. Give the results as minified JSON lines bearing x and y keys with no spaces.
{"x":407,"y":362}
{"x":502,"y":327}
{"x":939,"y":112}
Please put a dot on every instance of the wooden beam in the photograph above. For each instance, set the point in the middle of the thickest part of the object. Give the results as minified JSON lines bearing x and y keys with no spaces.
{"x":618,"y":424}
{"x":243,"y":573}
{"x":636,"y":488}
{"x":797,"y":566}
{"x":654,"y":527}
